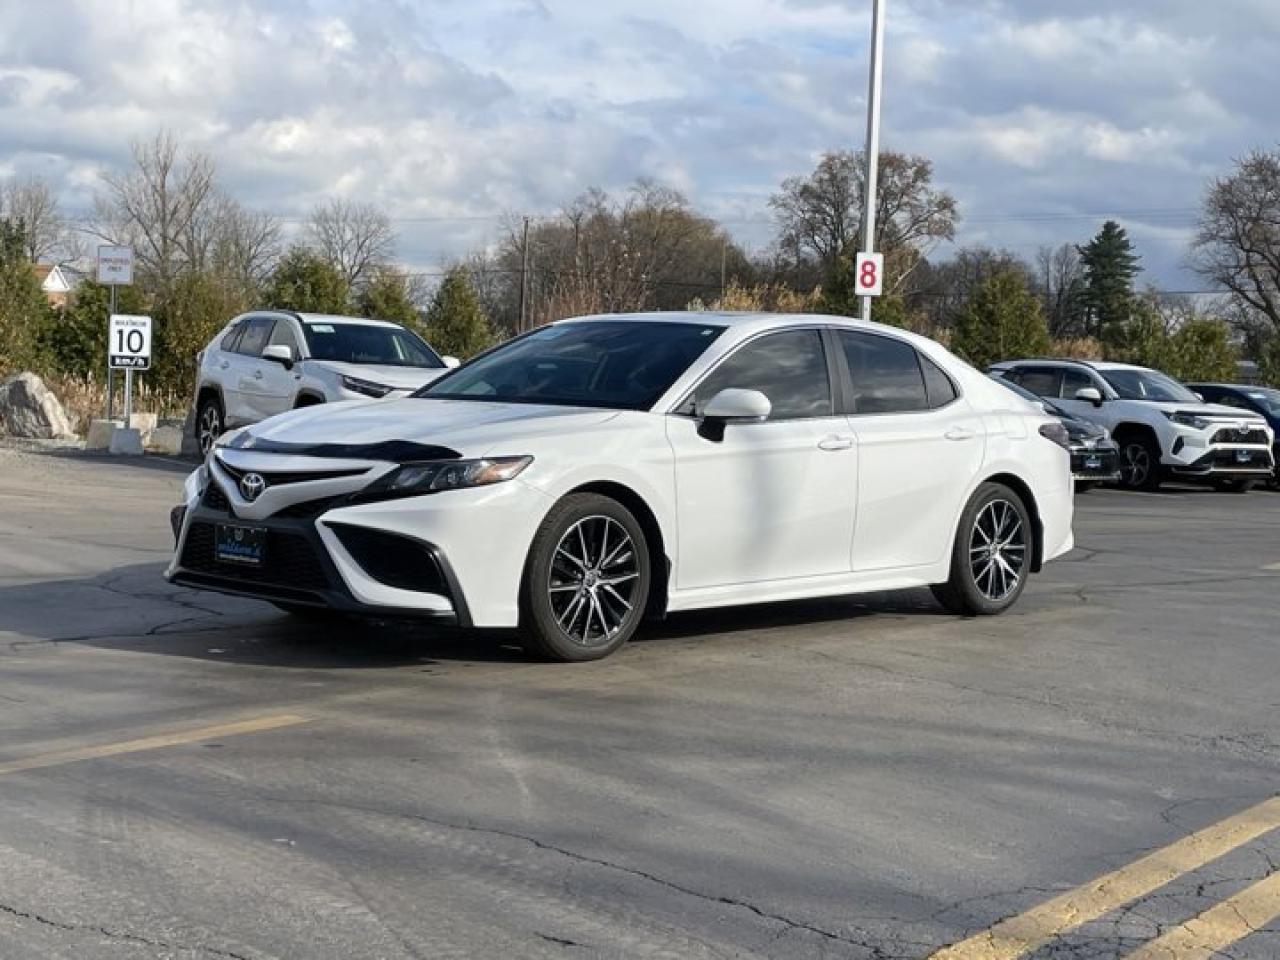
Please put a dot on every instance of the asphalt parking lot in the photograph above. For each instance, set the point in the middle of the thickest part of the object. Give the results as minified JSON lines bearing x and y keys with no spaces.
{"x":185,"y":775}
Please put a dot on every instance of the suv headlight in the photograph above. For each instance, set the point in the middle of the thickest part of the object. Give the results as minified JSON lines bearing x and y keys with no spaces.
{"x":1188,"y":420}
{"x":433,"y":476}
{"x":366,"y":388}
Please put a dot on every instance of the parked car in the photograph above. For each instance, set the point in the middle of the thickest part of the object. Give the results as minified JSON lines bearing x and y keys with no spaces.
{"x":1164,"y":430}
{"x":598,"y":470}
{"x":269,"y":361}
{"x":1261,"y":400}
{"x":1095,"y":457}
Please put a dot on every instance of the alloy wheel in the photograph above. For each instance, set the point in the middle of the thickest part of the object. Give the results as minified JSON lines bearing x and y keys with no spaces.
{"x":593,"y":579}
{"x":1136,"y":466}
{"x":209,"y":428}
{"x":997,"y":550}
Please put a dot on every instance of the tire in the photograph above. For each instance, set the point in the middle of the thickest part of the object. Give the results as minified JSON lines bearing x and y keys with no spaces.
{"x":1139,"y":463}
{"x":979,"y":585}
{"x":1235,"y":484}
{"x":210,"y":423}
{"x":584,"y":591}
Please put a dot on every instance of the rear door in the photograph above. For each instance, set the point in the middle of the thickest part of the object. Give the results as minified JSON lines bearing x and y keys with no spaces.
{"x":920,"y":445}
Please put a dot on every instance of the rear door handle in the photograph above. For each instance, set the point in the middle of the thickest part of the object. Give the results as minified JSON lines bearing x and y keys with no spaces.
{"x":225,"y":364}
{"x":835,"y":443}
{"x":960,"y":433}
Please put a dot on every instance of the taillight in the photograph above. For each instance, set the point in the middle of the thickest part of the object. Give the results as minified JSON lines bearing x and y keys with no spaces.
{"x":1056,"y":432}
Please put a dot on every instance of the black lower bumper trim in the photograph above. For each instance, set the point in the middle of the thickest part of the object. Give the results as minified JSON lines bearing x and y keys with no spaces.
{"x":320,"y":599}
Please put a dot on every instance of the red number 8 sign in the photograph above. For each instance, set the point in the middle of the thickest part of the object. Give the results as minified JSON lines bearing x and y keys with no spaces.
{"x":869,"y":271}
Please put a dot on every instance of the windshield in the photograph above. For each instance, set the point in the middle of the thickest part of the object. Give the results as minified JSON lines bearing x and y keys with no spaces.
{"x":370,"y":345}
{"x":1147,"y":385}
{"x":1267,"y":399}
{"x":616,"y":364}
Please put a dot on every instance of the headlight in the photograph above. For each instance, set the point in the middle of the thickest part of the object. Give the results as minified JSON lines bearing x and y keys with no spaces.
{"x":432,"y":476}
{"x":366,"y":388}
{"x":1056,"y":432}
{"x":1188,"y":420}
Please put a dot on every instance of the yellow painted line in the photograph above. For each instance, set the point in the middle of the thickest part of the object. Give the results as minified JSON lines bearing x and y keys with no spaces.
{"x":75,"y":754}
{"x":1020,"y":935}
{"x":1218,"y":927}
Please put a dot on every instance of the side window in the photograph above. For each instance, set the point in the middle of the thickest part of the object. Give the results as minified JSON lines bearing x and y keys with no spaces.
{"x":257,"y":330}
{"x":282,"y":335}
{"x":789,"y":368}
{"x":1042,"y":381}
{"x":884,"y":373}
{"x":937,"y":384}
{"x":1226,"y":399}
{"x":1073,"y":380}
{"x":232,"y":338}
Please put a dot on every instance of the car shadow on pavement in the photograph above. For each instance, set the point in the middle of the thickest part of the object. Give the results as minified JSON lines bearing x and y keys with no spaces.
{"x":158,"y":462}
{"x":133,"y":608}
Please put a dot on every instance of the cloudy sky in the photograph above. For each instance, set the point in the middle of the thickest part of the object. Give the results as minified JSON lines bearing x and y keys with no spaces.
{"x":1042,"y":116}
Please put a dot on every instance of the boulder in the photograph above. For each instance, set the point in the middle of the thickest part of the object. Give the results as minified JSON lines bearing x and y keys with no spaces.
{"x":29,"y":409}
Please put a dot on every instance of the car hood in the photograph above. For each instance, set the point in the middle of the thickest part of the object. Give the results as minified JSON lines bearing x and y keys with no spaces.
{"x":398,"y":378}
{"x":376,"y":429}
{"x":1216,"y":411}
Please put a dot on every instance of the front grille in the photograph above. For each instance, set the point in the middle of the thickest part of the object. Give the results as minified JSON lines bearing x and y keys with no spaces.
{"x":279,"y":478}
{"x":1232,"y":435}
{"x":291,"y":560}
{"x":393,"y":560}
{"x":215,"y":499}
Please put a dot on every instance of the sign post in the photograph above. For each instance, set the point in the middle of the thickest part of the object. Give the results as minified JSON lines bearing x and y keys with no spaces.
{"x":115,"y":268}
{"x":872,"y":174}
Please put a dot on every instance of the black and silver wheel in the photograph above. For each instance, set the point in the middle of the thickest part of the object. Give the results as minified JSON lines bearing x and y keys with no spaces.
{"x":1139,"y":463}
{"x":587,"y":579}
{"x":209,"y":423}
{"x":992,"y":554}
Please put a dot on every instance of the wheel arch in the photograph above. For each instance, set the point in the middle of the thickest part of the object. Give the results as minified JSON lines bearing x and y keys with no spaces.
{"x":1133,"y":428}
{"x":659,"y":559}
{"x":308,"y":398}
{"x":1023,"y":490}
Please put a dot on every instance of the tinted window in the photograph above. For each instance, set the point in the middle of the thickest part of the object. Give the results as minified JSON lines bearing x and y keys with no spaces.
{"x":885,"y":374}
{"x":1150,"y":385}
{"x":229,"y":341}
{"x":622,"y":365}
{"x":1042,"y":381}
{"x":938,"y":385}
{"x":283,"y":336}
{"x":254,"y":338}
{"x":1073,"y":380}
{"x":789,"y":368}
{"x":369,"y":344}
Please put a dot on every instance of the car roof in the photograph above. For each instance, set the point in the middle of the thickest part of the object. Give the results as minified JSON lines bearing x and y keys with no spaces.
{"x":1069,"y":361}
{"x":335,"y":318}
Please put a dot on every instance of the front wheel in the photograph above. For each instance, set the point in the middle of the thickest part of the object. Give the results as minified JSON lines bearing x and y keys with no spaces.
{"x":991,"y":558}
{"x":1139,"y":464}
{"x":210,"y":424}
{"x":586,"y":582}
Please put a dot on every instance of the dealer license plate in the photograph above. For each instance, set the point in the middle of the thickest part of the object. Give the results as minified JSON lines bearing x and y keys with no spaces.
{"x":233,"y":543}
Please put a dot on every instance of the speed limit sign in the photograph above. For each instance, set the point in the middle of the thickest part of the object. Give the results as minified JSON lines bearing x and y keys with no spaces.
{"x":868,"y":274}
{"x":129,"y":342}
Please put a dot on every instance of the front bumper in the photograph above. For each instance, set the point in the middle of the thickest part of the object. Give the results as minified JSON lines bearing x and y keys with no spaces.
{"x":1229,"y":461}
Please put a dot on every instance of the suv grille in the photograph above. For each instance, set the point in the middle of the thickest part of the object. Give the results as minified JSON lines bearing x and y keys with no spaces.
{"x":1232,"y":435}
{"x":291,"y":561}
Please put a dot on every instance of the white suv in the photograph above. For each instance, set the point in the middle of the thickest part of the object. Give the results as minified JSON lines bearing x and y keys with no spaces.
{"x":1164,"y":430}
{"x":269,"y":361}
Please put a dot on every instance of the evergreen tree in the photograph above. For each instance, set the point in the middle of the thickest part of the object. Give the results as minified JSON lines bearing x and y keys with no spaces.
{"x":387,"y":296}
{"x":1201,"y":349}
{"x":304,"y":280}
{"x":1001,"y":321}
{"x":455,"y":323}
{"x":1110,"y":266}
{"x":185,"y":318}
{"x":25,"y":314}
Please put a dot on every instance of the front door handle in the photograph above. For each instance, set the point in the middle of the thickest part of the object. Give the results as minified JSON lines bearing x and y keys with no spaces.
{"x":960,"y":433}
{"x":225,"y":364}
{"x":257,"y":374}
{"x":835,"y":443}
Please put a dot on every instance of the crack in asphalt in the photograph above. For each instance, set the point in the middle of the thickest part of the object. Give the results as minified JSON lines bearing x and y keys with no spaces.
{"x":116,"y":934}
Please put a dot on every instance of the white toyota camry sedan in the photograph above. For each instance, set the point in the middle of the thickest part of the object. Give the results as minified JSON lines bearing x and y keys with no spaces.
{"x":601,"y":470}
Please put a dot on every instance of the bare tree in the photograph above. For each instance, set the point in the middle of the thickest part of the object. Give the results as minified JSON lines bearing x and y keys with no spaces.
{"x":32,"y":202}
{"x":1237,"y":245}
{"x":820,"y":215}
{"x":942,"y":290}
{"x":165,"y":207}
{"x":246,"y":246}
{"x":1061,"y":279}
{"x":354,"y":237}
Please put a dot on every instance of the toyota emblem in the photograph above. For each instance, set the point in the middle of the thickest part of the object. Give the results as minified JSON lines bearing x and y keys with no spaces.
{"x":252,"y":486}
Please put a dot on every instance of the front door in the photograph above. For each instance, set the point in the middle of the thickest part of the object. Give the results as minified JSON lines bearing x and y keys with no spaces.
{"x":771,"y":500}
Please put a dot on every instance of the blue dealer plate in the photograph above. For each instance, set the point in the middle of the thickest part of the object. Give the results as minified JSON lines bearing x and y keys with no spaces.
{"x":233,"y":543}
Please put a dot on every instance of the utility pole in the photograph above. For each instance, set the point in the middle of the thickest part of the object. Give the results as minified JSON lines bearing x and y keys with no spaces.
{"x":873,"y":138}
{"x":524,"y":275}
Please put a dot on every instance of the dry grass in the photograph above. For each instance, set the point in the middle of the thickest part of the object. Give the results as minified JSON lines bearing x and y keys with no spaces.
{"x":86,"y":399}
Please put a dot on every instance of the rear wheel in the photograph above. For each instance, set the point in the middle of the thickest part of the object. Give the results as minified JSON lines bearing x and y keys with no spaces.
{"x":1139,"y":463}
{"x":1235,"y":484}
{"x":991,"y":558}
{"x":210,"y":423}
{"x":586,"y":582}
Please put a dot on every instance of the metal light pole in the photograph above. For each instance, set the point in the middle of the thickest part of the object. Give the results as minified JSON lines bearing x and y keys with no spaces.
{"x":873,"y":138}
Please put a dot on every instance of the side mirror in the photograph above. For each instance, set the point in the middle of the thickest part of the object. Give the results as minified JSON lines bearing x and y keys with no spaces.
{"x":1090,"y":395}
{"x":734,"y":405}
{"x":451,"y":362}
{"x":1199,"y":396}
{"x":279,"y":353}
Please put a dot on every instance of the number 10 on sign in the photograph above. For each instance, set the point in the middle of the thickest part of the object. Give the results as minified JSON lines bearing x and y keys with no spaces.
{"x":868,"y":274}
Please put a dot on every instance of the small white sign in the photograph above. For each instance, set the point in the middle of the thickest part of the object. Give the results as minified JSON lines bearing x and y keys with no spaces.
{"x":868,"y":274}
{"x":129,"y":342}
{"x":115,"y":265}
